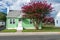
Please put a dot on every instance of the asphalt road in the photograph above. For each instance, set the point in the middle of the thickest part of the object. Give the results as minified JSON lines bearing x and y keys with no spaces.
{"x":33,"y":37}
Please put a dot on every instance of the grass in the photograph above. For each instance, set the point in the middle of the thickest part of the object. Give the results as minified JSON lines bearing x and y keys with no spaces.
{"x":45,"y":28}
{"x":48,"y":25}
{"x":10,"y":30}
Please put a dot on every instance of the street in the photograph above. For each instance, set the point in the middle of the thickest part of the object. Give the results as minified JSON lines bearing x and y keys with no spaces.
{"x":32,"y":37}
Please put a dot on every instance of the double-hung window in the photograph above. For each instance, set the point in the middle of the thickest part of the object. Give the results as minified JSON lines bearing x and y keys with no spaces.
{"x":12,"y":21}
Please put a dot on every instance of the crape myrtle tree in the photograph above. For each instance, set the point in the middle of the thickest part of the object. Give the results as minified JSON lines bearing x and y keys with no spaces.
{"x":36,"y":11}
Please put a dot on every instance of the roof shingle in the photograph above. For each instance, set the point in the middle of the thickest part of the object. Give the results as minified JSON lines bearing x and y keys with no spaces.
{"x":14,"y":13}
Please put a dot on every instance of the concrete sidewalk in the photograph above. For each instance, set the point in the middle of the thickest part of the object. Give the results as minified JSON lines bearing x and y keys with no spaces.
{"x":29,"y":33}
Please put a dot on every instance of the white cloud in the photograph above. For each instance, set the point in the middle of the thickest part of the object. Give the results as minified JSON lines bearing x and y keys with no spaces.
{"x":17,"y":5}
{"x":13,"y":4}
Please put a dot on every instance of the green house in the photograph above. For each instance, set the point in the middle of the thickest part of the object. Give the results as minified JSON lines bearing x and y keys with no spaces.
{"x":15,"y":21}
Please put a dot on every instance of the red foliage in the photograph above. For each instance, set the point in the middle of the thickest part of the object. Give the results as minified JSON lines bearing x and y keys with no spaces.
{"x":48,"y":19}
{"x":36,"y":9}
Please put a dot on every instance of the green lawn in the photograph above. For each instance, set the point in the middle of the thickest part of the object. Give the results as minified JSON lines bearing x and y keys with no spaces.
{"x":10,"y":30}
{"x":46,"y":28}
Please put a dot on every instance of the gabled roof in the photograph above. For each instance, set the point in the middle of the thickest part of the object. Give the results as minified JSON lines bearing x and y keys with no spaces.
{"x":14,"y":13}
{"x":58,"y":15}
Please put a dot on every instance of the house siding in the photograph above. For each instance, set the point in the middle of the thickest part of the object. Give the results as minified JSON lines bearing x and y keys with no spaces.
{"x":57,"y":22}
{"x":11,"y":26}
{"x":26,"y":24}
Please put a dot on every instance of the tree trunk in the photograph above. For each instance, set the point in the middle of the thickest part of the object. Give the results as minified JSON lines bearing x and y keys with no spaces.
{"x":35,"y":24}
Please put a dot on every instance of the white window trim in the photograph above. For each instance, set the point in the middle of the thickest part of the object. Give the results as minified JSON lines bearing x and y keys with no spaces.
{"x":12,"y":20}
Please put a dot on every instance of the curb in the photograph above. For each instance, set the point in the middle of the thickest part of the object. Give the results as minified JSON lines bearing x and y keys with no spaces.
{"x":29,"y":33}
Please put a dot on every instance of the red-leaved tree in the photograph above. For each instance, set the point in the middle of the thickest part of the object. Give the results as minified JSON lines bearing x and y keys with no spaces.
{"x":48,"y":20}
{"x":36,"y":11}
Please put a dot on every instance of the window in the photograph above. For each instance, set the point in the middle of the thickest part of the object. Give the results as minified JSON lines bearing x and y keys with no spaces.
{"x":57,"y":21}
{"x":30,"y":21}
{"x":19,"y":19}
{"x":12,"y":21}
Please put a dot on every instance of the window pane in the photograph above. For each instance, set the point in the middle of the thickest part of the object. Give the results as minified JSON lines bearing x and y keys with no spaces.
{"x":10,"y":21}
{"x":19,"y":19}
{"x":30,"y":21}
{"x":13,"y":21}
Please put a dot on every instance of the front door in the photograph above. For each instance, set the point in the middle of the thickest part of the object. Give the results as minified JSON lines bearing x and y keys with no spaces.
{"x":20,"y":25}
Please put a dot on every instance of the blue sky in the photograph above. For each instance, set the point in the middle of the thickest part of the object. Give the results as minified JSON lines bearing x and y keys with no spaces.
{"x":10,"y":3}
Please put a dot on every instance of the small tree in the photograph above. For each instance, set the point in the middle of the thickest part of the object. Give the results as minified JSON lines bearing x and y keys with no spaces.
{"x":36,"y":11}
{"x":2,"y":16}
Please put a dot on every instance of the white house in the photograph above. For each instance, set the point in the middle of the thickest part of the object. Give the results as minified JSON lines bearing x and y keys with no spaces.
{"x":57,"y":20}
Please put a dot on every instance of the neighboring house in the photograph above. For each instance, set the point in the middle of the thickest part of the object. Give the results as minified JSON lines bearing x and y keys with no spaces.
{"x":57,"y":20}
{"x":15,"y":21}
